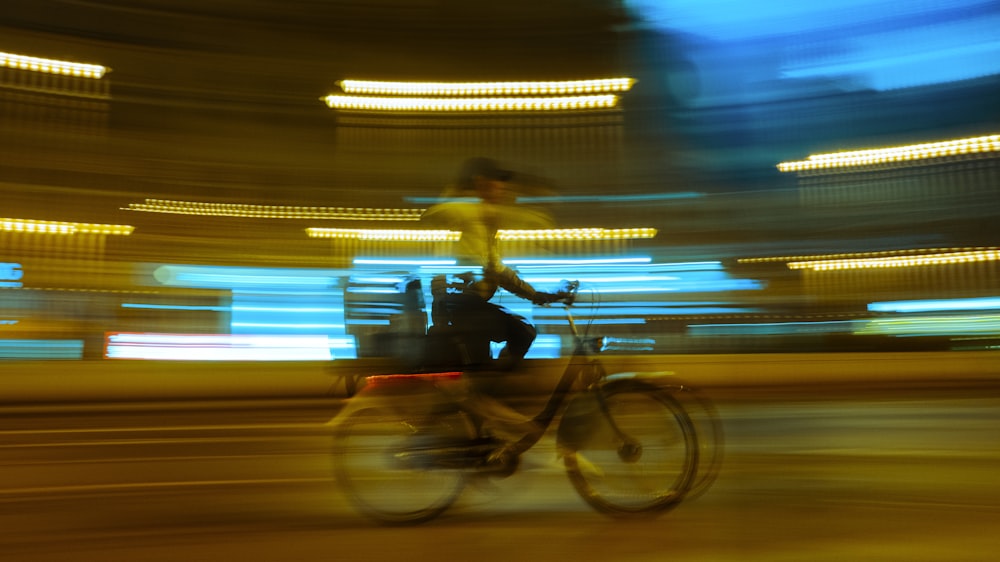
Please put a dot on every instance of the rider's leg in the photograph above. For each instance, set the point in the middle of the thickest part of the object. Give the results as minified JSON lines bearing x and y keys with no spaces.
{"x":499,"y":419}
{"x":518,"y":334}
{"x":490,"y":322}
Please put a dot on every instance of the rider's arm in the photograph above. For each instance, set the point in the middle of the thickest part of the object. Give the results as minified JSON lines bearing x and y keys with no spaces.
{"x":509,"y":280}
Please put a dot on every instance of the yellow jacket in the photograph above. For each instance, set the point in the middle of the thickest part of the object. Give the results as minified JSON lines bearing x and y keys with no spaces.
{"x":479,"y":222}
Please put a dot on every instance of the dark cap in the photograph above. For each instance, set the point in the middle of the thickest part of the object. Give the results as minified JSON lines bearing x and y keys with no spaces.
{"x":481,"y":166}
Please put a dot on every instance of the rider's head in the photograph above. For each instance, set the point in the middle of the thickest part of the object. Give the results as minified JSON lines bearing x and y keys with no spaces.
{"x":485,"y":178}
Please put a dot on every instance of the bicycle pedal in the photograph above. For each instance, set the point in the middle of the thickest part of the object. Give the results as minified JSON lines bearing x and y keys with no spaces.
{"x":501,"y":462}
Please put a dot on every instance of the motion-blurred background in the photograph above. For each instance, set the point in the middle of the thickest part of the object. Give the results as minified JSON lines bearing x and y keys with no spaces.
{"x":213,"y":169}
{"x":791,"y":205}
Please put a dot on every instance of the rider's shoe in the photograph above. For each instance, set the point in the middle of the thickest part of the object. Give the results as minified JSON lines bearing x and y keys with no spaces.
{"x":583,"y":464}
{"x":588,"y":468}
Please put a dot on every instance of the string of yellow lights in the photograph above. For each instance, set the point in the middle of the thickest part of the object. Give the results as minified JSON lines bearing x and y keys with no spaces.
{"x":563,"y":87}
{"x":31,"y":226}
{"x":578,"y":234}
{"x":955,"y":147}
{"x":940,"y":258}
{"x":859,"y":255}
{"x":389,"y":235}
{"x":272,"y":211}
{"x":385,"y":235}
{"x":376,"y":103}
{"x":52,"y":66}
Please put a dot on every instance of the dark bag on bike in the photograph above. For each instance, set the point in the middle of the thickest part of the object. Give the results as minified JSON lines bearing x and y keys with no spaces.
{"x":455,"y":339}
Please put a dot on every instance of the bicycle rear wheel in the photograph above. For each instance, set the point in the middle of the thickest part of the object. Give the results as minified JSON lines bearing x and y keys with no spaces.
{"x":640,"y":455}
{"x":384,"y":463}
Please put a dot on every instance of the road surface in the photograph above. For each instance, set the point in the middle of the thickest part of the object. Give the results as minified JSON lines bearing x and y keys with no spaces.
{"x":811,"y":474}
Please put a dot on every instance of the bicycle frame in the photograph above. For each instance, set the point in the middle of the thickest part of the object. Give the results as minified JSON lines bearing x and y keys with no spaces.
{"x":582,"y":362}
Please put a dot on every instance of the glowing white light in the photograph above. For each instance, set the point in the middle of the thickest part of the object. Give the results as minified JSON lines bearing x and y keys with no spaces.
{"x":934,"y":305}
{"x":576,"y":261}
{"x":52,"y":66}
{"x":221,"y":347}
{"x":32,"y":226}
{"x":485,"y":88}
{"x":366,"y":103}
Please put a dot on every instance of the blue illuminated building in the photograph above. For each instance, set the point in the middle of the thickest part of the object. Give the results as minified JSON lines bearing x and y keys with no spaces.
{"x":753,"y":83}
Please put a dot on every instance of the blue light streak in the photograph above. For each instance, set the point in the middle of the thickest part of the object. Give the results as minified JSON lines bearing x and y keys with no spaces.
{"x":41,"y":349}
{"x":577,"y":261}
{"x":288,"y":326}
{"x":596,"y":321}
{"x":290,"y":309}
{"x":935,"y":305}
{"x":231,"y":277}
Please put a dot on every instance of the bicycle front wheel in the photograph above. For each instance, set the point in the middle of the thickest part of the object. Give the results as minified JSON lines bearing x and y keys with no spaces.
{"x":640,"y":454}
{"x":384,"y":463}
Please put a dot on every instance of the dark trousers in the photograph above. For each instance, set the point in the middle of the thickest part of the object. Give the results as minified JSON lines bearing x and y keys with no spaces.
{"x":479,"y":322}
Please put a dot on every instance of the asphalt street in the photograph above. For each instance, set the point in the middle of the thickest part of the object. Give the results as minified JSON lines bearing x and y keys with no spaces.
{"x":815,"y":474}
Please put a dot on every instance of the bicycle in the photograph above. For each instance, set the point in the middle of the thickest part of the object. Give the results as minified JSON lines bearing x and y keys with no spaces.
{"x":405,"y":448}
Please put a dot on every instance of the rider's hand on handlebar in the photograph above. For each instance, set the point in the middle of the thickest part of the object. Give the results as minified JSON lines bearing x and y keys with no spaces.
{"x":542,"y":298}
{"x":565,"y":294}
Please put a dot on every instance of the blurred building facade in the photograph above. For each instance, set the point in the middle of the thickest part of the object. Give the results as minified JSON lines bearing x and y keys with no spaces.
{"x":221,"y":118}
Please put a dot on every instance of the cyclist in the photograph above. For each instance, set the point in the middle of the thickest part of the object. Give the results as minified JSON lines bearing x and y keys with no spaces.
{"x":466,"y":305}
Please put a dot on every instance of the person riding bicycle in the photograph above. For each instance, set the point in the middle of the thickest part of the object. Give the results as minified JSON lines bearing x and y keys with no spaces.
{"x":466,"y":304}
{"x":479,"y":221}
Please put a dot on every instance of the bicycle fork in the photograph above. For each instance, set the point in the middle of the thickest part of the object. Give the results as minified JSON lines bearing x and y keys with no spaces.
{"x":629,"y":449}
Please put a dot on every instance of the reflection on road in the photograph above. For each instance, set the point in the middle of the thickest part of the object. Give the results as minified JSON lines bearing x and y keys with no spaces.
{"x":861,"y":475}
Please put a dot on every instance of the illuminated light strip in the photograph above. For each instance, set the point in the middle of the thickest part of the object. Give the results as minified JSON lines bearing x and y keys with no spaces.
{"x":596,"y":321}
{"x":272,"y":211}
{"x":51,"y":66}
{"x":629,"y":198}
{"x":578,"y":234}
{"x":389,"y":235}
{"x":775,"y":328}
{"x":385,"y":235}
{"x":373,"y":103}
{"x":966,"y":325}
{"x":582,"y":261}
{"x":936,"y":305}
{"x":31,"y":226}
{"x":41,"y":349}
{"x":404,"y":261}
{"x":972,"y":145}
{"x":899,"y":261}
{"x":228,"y":347}
{"x":879,"y":254}
{"x":486,"y":88}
